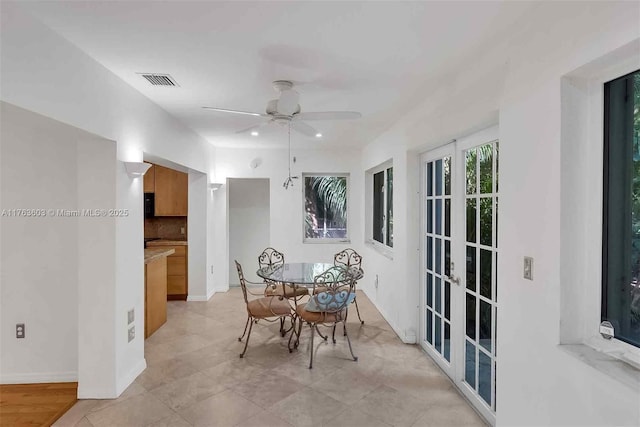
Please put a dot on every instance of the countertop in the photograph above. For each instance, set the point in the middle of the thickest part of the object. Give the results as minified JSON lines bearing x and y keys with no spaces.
{"x":167,"y":243}
{"x":152,"y":254}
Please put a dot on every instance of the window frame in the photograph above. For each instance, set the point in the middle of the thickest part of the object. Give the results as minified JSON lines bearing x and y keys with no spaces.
{"x":381,"y":247}
{"x":325,"y":240}
{"x":605,"y":105}
{"x":593,"y":119}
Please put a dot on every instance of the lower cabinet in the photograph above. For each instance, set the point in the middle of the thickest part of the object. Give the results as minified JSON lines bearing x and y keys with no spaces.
{"x":177,"y":285}
{"x":155,"y":291}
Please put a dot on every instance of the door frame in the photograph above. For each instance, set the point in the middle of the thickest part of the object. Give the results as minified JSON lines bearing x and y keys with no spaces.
{"x":455,"y":368}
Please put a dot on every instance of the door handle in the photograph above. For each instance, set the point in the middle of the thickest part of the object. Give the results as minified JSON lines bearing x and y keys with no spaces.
{"x":453,"y":279}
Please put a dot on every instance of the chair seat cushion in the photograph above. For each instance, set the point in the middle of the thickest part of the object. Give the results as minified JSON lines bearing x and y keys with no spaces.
{"x":268,"y":307}
{"x":289,"y":291}
{"x":325,"y":301}
{"x":319,"y":317}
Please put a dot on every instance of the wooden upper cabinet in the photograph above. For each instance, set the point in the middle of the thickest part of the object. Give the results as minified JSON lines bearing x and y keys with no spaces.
{"x":171,"y":188}
{"x":149,"y":180}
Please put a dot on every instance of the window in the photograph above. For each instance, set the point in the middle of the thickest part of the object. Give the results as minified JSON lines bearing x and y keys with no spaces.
{"x":325,"y":207}
{"x":383,"y":206}
{"x":621,"y":212}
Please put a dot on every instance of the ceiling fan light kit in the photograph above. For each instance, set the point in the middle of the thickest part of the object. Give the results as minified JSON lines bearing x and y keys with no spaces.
{"x":286,"y":111}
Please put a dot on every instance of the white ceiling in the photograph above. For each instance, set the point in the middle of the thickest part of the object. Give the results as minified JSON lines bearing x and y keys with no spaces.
{"x":371,"y":57}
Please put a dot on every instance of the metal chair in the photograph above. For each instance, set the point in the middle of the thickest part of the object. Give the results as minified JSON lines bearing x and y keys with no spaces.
{"x":329,"y":306}
{"x":350,"y":259}
{"x":271,"y":309}
{"x":271,"y":258}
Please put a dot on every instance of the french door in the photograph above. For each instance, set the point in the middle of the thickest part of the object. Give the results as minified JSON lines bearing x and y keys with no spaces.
{"x":459,"y":250}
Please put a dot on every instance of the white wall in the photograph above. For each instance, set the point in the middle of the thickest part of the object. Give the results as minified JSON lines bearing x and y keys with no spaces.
{"x":249,"y":221}
{"x":42,"y":72}
{"x":49,"y":263}
{"x":517,"y":82}
{"x":286,"y":206}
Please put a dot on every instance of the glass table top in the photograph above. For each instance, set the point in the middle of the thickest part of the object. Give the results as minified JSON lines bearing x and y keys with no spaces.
{"x":300,"y":273}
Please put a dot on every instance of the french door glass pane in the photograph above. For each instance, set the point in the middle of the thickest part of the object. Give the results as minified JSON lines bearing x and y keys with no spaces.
{"x":471,"y":220}
{"x":438,"y":178}
{"x":447,"y":341}
{"x":438,"y":295}
{"x":430,"y":290}
{"x":429,"y":327}
{"x":481,"y":252}
{"x":447,"y":176}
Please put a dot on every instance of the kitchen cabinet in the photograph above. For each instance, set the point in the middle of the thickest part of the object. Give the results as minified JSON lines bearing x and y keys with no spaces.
{"x":155,"y":289}
{"x":149,"y":180}
{"x":177,"y":269}
{"x":171,"y":188}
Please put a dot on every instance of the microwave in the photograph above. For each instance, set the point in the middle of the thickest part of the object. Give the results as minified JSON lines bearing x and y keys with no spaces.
{"x":149,"y":205}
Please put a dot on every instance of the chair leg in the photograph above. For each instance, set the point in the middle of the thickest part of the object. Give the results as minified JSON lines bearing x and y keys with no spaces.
{"x":313,"y":329}
{"x":355,"y":358}
{"x":246,"y":344}
{"x":245,"y":328}
{"x":355,"y":300}
{"x":282,"y":326}
{"x":298,"y":333}
{"x":333,"y":334}
{"x":324,"y":337}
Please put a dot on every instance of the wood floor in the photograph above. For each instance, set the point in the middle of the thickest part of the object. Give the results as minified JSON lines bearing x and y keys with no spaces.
{"x":35,"y":404}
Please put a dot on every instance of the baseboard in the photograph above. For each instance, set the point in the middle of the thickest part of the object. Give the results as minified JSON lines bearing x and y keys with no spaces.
{"x":201,"y":297}
{"x":407,"y":339}
{"x":39,"y":377}
{"x":123,"y":383}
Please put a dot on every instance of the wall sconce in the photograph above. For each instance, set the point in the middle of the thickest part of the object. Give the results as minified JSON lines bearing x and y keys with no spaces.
{"x":136,"y":169}
{"x":214,"y":186}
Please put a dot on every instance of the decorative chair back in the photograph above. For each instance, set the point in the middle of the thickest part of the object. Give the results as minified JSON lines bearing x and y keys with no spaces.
{"x":337,"y":284}
{"x":270,"y":258}
{"x":348,"y":258}
{"x":243,"y":283}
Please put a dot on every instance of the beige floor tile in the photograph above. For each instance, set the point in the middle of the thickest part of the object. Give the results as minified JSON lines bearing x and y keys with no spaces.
{"x":84,"y":422}
{"x":264,"y":419}
{"x":223,"y":409}
{"x":136,"y":411}
{"x":391,"y":406}
{"x":351,"y":417}
{"x":234,"y":372}
{"x":346,"y":386}
{"x":74,"y":415}
{"x":193,"y":359}
{"x":267,"y":388}
{"x":185,"y":392}
{"x":164,"y":372}
{"x":307,"y":408}
{"x":174,"y":420}
{"x":450,"y":416}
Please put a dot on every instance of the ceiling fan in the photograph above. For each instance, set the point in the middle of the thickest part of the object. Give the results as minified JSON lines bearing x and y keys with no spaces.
{"x":286,"y":111}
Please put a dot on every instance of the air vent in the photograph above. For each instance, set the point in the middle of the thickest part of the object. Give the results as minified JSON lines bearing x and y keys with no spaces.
{"x":159,"y":79}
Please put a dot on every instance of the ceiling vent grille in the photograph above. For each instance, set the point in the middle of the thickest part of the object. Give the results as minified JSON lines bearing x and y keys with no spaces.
{"x":159,"y":79}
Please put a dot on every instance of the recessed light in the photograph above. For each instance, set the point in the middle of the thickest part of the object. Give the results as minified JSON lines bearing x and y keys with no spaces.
{"x":318,"y":135}
{"x":254,"y":133}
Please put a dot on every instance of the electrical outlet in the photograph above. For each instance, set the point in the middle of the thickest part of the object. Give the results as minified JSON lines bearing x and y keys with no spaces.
{"x":132,"y":333}
{"x":528,"y":268}
{"x":20,"y":332}
{"x":376,"y":282}
{"x":131,"y":316}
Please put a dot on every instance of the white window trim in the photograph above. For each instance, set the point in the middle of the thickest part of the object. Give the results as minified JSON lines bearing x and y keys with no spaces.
{"x":325,"y":240}
{"x":382,"y":248}
{"x":584,"y":284}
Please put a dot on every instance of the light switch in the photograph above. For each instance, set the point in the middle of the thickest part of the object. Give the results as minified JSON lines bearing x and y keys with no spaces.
{"x":528,"y":268}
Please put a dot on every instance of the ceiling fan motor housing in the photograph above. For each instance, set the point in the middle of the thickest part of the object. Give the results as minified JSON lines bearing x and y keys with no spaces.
{"x":272,"y":109}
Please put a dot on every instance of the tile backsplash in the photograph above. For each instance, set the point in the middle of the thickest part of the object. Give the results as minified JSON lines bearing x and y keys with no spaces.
{"x":166,"y":227}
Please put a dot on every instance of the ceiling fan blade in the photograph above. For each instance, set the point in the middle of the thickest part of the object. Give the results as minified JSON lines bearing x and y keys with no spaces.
{"x":288,"y":102}
{"x":224,"y":110}
{"x":303,"y":128}
{"x":252,"y":128}
{"x":328,"y":115}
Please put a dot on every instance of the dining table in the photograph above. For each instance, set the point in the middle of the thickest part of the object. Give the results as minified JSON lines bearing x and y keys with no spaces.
{"x":299,"y":274}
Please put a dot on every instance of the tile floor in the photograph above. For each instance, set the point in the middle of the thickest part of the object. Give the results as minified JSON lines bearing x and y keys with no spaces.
{"x":195,"y":377}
